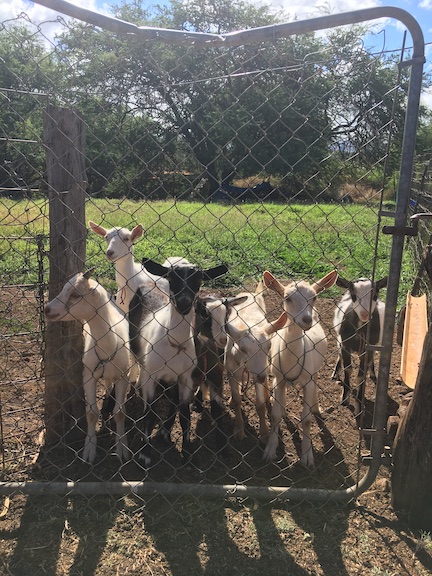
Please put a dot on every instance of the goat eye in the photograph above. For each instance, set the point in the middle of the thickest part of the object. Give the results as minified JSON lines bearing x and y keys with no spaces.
{"x":288,"y":299}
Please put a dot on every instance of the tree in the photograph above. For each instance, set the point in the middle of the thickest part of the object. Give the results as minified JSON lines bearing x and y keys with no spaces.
{"x":26,"y":75}
{"x":303,"y":106}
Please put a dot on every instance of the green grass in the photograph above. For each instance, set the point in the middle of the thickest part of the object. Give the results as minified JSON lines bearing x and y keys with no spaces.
{"x":289,"y":240}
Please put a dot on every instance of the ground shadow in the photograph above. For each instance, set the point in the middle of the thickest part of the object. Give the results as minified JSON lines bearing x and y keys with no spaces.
{"x":48,"y":526}
{"x":198,"y":536}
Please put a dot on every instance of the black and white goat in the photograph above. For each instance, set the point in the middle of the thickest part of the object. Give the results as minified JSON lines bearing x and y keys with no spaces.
{"x":359,"y":311}
{"x":106,"y":351}
{"x":162,"y":338}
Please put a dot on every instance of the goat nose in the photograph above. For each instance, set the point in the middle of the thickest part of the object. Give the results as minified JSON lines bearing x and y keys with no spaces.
{"x":364,"y":316}
{"x":110,"y":253}
{"x":307,"y":320}
{"x":221,"y":341}
{"x":47,"y":310}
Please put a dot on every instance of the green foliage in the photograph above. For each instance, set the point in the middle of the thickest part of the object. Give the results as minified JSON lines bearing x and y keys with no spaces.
{"x":300,"y":106}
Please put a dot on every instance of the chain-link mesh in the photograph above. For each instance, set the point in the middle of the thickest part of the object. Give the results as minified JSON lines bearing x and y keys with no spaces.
{"x":276,"y":155}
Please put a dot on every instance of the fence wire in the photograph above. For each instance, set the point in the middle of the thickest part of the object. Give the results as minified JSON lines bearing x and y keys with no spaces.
{"x":273,"y":155}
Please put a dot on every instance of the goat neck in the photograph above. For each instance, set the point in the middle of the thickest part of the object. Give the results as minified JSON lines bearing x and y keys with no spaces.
{"x":106,"y":314}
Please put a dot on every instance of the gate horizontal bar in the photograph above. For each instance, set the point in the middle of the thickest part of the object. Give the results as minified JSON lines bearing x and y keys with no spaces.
{"x":238,"y":38}
{"x":223,"y":491}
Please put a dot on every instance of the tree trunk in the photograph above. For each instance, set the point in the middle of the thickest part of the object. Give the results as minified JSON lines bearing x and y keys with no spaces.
{"x":64,"y":138}
{"x":412,"y":454}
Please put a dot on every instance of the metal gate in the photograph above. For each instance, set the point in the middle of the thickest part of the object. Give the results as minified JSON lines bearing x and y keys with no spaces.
{"x":270,"y":148}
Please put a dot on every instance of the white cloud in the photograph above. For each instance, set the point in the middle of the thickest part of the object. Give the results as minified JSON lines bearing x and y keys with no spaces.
{"x":50,"y":22}
{"x":313,"y":8}
{"x":426,"y":98}
{"x":426,"y":4}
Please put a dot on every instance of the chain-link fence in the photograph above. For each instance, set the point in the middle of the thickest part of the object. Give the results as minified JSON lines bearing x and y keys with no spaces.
{"x":276,"y":149}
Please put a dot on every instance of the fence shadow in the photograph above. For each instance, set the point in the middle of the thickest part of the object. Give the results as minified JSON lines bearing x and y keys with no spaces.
{"x":66,"y":532}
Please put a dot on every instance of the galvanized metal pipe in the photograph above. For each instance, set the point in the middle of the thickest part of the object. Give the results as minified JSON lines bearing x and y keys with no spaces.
{"x":146,"y":489}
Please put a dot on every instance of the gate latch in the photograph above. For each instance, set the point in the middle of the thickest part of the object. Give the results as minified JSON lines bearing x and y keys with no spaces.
{"x":408,"y":230}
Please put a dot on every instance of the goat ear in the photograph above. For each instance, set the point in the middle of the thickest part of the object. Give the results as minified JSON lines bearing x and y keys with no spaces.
{"x":382,"y":283}
{"x":100,"y":230}
{"x":259,"y":288}
{"x":215,"y":272}
{"x":342,"y":283}
{"x":154,"y":267}
{"x":235,"y":300}
{"x":201,"y":308}
{"x":137,"y":232}
{"x":327,"y":282}
{"x":89,"y":272}
{"x":277,"y":324}
{"x":237,"y":332}
{"x":271,"y":282}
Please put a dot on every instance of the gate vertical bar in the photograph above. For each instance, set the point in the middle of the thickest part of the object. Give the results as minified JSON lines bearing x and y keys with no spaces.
{"x":401,"y":213}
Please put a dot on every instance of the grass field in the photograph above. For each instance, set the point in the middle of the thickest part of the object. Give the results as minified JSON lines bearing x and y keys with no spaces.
{"x":290,"y":240}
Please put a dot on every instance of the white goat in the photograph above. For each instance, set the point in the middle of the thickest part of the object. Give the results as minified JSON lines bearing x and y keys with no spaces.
{"x":298,"y":351}
{"x":247,"y":352}
{"x":162,"y":338}
{"x":106,"y":351}
{"x":129,"y":273}
{"x":359,"y":311}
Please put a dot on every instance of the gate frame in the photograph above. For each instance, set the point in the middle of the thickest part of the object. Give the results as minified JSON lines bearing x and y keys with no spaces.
{"x":398,"y":231}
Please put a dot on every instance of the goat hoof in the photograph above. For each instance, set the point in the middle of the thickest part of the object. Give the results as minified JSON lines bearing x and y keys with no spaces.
{"x":307,"y":463}
{"x":89,"y":454}
{"x":123,"y":454}
{"x":269,"y":455}
{"x":239,"y":435}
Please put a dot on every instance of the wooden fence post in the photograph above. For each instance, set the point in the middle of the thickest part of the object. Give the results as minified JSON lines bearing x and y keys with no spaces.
{"x":64,"y":138}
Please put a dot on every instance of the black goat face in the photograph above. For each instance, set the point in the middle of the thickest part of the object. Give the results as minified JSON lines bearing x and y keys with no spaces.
{"x":185,"y":282}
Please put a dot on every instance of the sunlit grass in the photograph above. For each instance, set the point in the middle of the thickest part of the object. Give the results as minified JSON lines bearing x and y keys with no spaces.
{"x":289,"y":240}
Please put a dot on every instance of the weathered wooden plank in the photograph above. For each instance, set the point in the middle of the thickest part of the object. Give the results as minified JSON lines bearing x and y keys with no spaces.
{"x":64,"y":137}
{"x":412,"y":452}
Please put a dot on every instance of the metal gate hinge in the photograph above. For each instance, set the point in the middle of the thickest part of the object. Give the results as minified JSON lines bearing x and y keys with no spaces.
{"x":386,"y":458}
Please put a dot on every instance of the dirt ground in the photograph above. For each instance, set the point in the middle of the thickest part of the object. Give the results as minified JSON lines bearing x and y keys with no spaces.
{"x":182,"y":535}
